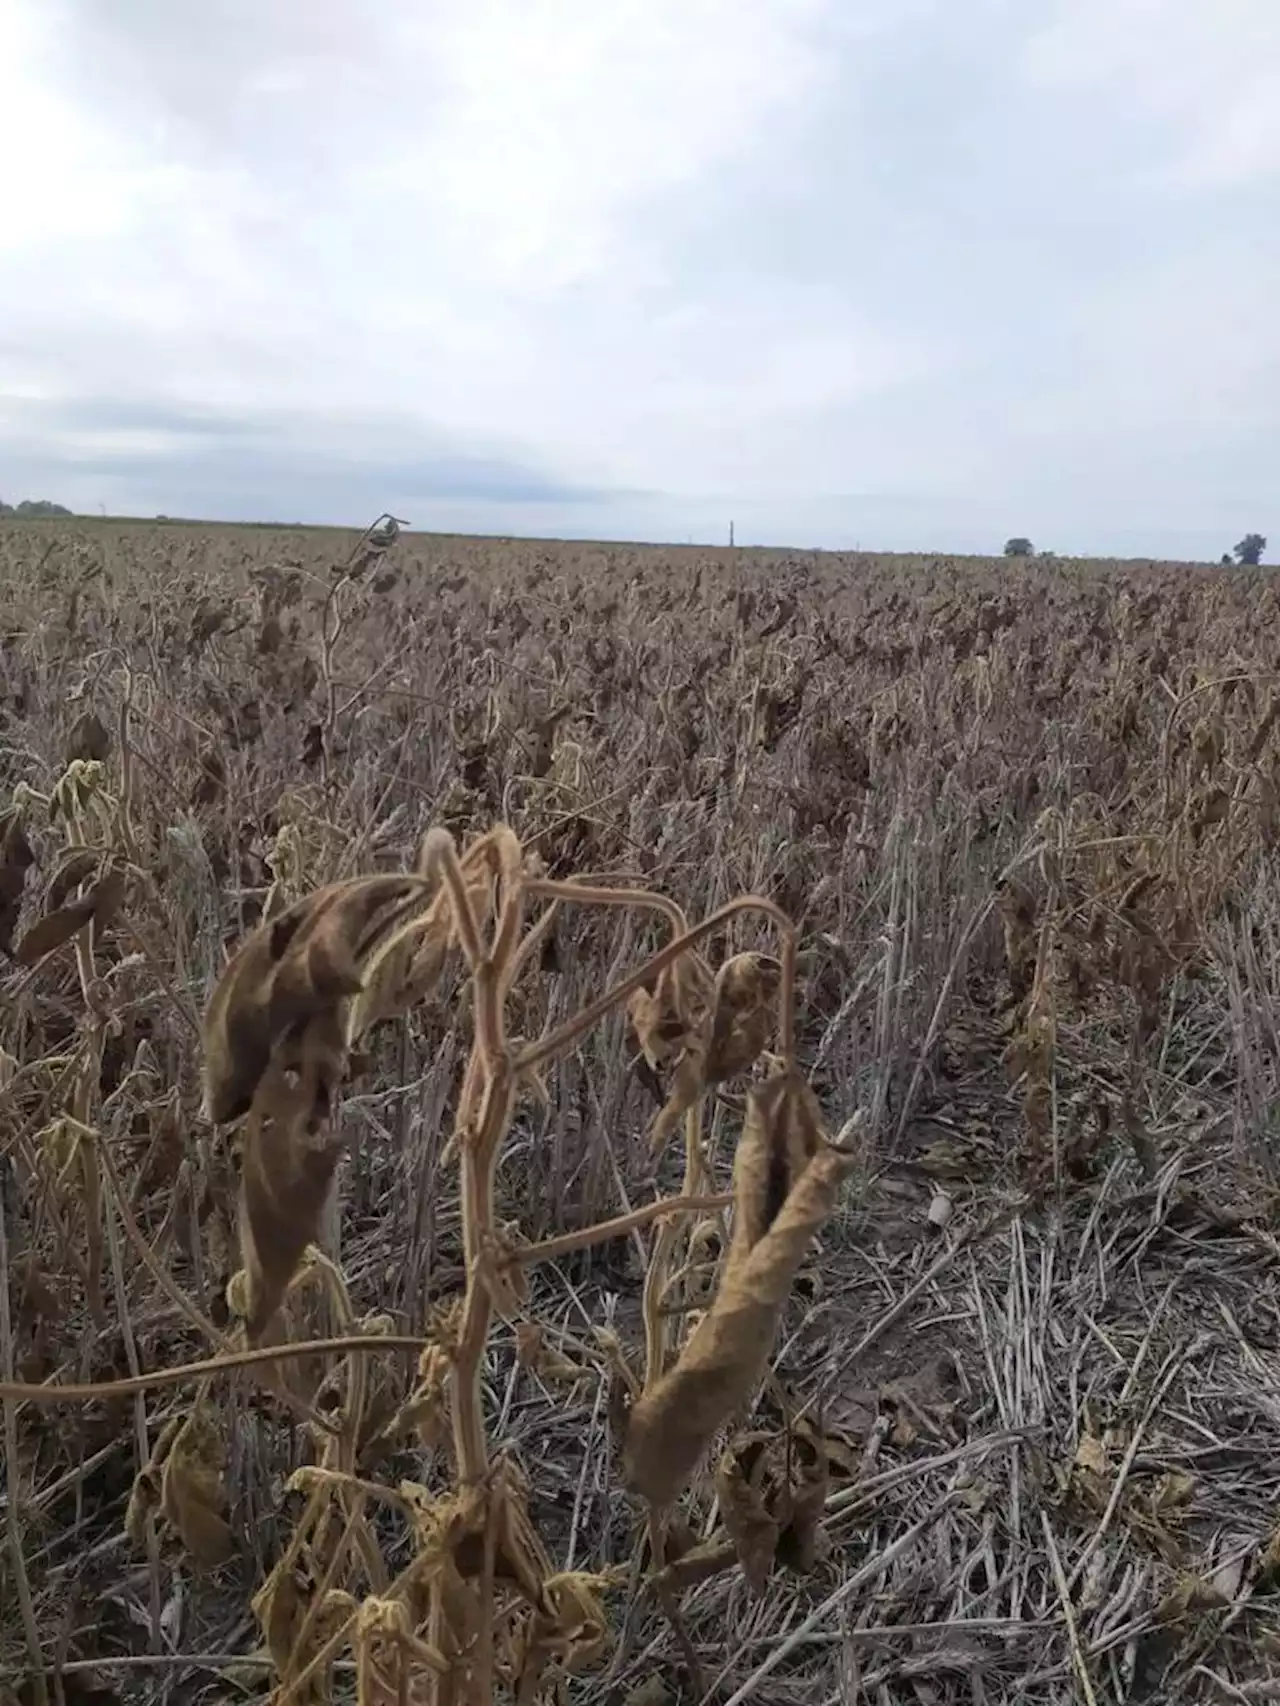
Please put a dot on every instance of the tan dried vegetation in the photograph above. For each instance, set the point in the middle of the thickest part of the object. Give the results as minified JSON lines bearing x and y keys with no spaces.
{"x":437,"y":1270}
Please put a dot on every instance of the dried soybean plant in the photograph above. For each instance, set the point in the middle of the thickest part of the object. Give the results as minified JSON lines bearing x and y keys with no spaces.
{"x":479,"y":1605}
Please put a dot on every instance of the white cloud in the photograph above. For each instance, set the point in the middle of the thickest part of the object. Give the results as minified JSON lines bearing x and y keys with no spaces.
{"x":1209,"y":70}
{"x":490,"y":244}
{"x":556,"y":122}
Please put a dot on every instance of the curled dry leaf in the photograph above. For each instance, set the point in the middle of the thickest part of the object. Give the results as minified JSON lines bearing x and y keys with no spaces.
{"x":1266,"y":1564}
{"x":687,"y":1089}
{"x":572,"y":1634}
{"x":772,"y":1491}
{"x":76,"y":866}
{"x":481,"y":1531}
{"x":303,"y":963}
{"x":144,"y":1499}
{"x":357,"y":1393}
{"x":672,"y":1423}
{"x":425,"y":1412}
{"x":744,"y":1508}
{"x":713,"y":1028}
{"x":16,"y":859}
{"x":413,"y":967}
{"x":283,"y":1606}
{"x":192,"y":1495}
{"x":808,"y":1480}
{"x":781,"y":1134}
{"x":701,"y":1563}
{"x":669,"y":1016}
{"x":289,"y":1160}
{"x":533,"y":1352}
{"x":97,"y":906}
{"x":743,"y":1014}
{"x":88,"y":739}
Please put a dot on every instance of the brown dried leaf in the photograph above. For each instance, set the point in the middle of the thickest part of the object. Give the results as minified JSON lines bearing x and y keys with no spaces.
{"x":808,"y":1482}
{"x":1267,"y":1567}
{"x":772,"y":1490}
{"x":743,"y":1015}
{"x":687,"y":1089}
{"x":16,"y":859}
{"x":191,"y":1488}
{"x":425,"y":1412}
{"x":144,"y":1501}
{"x":88,"y":739}
{"x":492,"y":1523}
{"x":672,"y":1022}
{"x":751,"y":1525}
{"x":673,"y":1422}
{"x":571,"y":1634}
{"x":675,"y":1010}
{"x":76,"y":867}
{"x":304,"y":962}
{"x":412,"y":969}
{"x":1091,"y":1454}
{"x":534,"y":1353}
{"x":97,"y":906}
{"x":781,"y":1134}
{"x":287,"y":1169}
{"x":282,"y":1606}
{"x":1191,"y":1593}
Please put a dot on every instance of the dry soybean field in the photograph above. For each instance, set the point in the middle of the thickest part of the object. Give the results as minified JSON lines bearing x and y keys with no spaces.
{"x":614,"y":1124}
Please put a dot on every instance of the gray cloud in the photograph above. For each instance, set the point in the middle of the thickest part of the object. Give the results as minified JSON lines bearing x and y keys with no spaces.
{"x":201,"y":461}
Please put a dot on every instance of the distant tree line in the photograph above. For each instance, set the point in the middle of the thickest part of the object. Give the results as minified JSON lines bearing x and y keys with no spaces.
{"x":1248,"y":553}
{"x":34,"y":506}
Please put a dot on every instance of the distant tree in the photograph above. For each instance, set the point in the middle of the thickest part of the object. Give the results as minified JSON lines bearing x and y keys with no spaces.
{"x":1249,"y":550}
{"x":1019,"y":547}
{"x":1228,"y":559}
{"x":34,"y":507}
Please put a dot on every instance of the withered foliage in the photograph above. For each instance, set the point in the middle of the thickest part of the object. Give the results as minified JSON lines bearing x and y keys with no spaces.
{"x":781,"y":1208}
{"x":16,"y":859}
{"x":97,"y":904}
{"x":708,"y":1028}
{"x":781,"y":1134}
{"x":183,"y":1480}
{"x":877,"y":748}
{"x":278,"y":1035}
{"x":302,"y":966}
{"x":88,"y":739}
{"x":772,"y":1491}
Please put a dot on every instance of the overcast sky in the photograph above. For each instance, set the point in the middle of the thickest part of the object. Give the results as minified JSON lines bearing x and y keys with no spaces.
{"x":897,"y":273}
